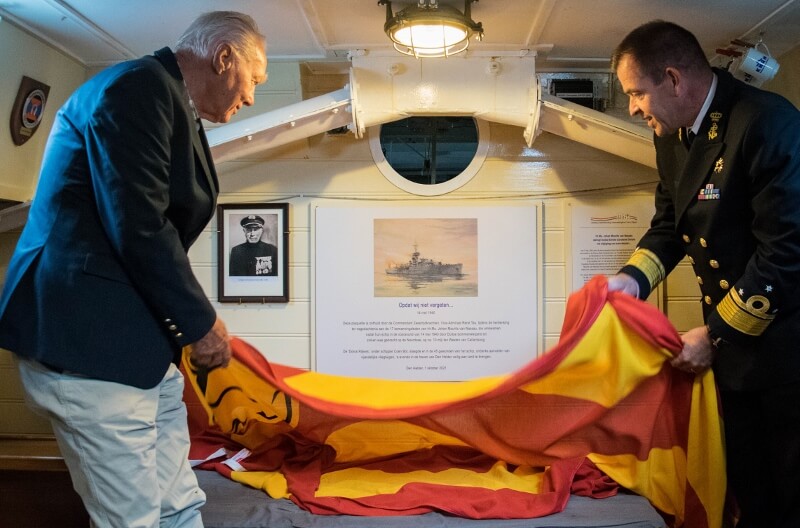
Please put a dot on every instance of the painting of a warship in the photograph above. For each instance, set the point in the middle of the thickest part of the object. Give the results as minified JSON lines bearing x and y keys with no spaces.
{"x":421,"y":267}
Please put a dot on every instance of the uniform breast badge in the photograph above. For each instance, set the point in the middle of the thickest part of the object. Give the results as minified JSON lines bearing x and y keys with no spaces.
{"x":708,"y":193}
{"x":719,"y":165}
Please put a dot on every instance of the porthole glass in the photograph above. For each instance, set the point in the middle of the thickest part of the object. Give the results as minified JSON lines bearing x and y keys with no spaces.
{"x":430,"y":155}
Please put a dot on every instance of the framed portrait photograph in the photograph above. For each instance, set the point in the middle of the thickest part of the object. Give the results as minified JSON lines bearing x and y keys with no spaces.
{"x":253,"y":252}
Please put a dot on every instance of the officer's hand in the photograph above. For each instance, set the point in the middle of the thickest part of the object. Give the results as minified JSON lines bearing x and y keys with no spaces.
{"x":698,"y":352}
{"x":214,"y":349}
{"x":624,"y":283}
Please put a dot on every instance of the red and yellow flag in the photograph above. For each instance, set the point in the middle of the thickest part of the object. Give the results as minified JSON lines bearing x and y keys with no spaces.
{"x":601,"y":409}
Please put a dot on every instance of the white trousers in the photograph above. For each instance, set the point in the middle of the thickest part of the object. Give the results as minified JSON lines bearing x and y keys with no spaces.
{"x":126,"y":448}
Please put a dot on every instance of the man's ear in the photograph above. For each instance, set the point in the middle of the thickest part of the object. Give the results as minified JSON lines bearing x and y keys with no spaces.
{"x":675,"y":78}
{"x":223,"y":58}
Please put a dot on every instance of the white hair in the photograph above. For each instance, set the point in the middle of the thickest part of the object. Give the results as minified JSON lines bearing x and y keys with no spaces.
{"x":211,"y":29}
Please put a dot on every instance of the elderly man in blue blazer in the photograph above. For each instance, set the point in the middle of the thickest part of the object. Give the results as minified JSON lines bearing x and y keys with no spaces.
{"x":100,"y":298}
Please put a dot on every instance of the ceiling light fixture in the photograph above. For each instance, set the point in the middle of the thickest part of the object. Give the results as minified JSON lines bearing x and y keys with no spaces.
{"x":428,"y":29}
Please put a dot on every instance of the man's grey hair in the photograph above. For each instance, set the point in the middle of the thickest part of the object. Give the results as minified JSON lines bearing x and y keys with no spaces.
{"x":211,"y":29}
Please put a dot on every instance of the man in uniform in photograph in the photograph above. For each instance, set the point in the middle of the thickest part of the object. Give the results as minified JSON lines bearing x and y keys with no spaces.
{"x":253,"y":257}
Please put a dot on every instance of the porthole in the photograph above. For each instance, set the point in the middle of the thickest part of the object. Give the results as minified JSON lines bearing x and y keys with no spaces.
{"x":430,"y":155}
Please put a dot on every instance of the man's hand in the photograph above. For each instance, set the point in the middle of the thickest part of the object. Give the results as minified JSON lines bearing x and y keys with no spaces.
{"x":624,"y":283}
{"x":698,"y":352}
{"x":214,"y":349}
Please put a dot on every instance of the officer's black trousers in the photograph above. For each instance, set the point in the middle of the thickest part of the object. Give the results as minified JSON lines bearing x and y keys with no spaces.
{"x":762,"y":436}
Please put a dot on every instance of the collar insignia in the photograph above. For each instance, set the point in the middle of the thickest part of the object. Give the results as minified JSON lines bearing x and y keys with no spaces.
{"x":715,"y":117}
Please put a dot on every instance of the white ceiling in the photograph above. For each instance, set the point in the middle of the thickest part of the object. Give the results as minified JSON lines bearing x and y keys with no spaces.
{"x":566,"y":34}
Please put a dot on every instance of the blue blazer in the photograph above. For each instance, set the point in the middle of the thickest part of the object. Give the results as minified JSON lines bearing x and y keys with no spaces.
{"x":100,"y":283}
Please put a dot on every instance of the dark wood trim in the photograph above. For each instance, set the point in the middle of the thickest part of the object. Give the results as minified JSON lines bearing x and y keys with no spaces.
{"x":30,"y":454}
{"x":35,"y":488}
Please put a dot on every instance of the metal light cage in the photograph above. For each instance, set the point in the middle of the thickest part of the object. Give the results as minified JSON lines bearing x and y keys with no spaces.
{"x":429,"y":29}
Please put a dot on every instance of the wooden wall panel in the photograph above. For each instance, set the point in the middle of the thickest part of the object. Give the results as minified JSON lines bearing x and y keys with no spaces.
{"x":682,"y":282}
{"x":685,"y":314}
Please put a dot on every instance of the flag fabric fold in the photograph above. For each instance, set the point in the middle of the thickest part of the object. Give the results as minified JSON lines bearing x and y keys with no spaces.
{"x":600,"y":410}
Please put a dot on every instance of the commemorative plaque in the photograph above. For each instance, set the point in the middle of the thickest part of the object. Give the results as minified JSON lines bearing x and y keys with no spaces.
{"x":28,"y":109}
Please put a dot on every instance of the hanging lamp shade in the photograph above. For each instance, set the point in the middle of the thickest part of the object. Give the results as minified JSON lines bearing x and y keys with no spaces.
{"x":428,"y":29}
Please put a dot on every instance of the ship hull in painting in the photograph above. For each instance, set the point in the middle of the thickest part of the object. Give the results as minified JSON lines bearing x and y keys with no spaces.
{"x":425,"y":267}
{"x":433,"y":270}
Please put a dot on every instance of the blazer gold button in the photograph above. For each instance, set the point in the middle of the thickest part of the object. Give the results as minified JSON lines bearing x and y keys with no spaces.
{"x":699,"y":279}
{"x":713,"y":263}
{"x":179,"y":334}
{"x":707,"y":299}
{"x":686,"y":239}
{"x":173,"y":327}
{"x":703,"y":242}
{"x":724,"y":284}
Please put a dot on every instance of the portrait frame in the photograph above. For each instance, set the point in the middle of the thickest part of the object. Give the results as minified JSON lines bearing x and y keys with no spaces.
{"x":250,"y":269}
